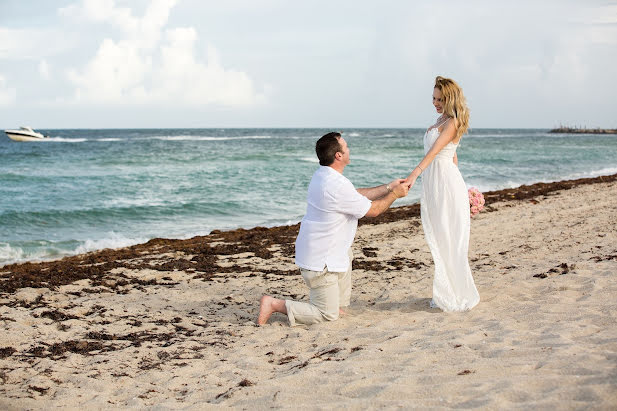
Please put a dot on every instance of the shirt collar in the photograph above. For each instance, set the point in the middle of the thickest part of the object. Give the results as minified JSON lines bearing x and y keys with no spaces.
{"x":328,"y":169}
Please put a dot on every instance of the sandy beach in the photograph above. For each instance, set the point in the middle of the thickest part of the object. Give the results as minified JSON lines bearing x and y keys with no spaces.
{"x":170,"y":323}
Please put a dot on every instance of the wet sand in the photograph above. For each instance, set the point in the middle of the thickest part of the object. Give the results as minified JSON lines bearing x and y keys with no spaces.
{"x":171,"y":322}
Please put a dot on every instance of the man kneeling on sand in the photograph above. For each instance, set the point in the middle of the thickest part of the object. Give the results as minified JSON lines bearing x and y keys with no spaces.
{"x":327,"y":231}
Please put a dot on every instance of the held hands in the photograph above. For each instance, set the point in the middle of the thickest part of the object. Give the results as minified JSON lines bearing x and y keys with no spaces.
{"x":399,"y":187}
{"x":410,"y":181}
{"x":415,"y":173}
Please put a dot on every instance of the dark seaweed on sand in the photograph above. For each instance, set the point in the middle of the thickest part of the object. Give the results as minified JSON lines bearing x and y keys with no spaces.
{"x":204,"y":251}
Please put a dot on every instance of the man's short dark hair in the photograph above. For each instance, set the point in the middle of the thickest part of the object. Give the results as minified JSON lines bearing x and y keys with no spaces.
{"x":327,"y":147}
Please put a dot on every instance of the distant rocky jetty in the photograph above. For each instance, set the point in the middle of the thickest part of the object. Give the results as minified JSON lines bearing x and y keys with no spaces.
{"x":583,"y":130}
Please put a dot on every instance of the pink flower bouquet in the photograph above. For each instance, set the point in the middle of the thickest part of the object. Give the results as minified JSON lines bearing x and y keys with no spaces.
{"x":476,"y":201}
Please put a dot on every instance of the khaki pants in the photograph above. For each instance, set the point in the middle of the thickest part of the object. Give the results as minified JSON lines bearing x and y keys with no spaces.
{"x":329,"y":292}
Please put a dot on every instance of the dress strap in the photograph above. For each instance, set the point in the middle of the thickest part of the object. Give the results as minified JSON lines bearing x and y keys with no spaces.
{"x":442,"y":123}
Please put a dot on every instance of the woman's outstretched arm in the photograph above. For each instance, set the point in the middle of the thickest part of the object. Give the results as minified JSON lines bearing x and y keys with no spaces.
{"x":448,"y":133}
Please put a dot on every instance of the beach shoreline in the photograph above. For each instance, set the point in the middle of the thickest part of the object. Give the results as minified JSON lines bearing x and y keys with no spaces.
{"x":104,"y":208}
{"x":284,"y":234}
{"x":170,"y":323}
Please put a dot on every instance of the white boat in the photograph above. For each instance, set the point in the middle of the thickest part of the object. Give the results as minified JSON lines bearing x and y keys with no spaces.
{"x":25,"y":134}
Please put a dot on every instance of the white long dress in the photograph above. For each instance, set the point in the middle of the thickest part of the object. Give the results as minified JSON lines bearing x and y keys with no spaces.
{"x":445,"y":220}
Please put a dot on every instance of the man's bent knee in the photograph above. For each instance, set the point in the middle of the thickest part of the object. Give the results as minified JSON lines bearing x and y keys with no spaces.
{"x":333,"y":316}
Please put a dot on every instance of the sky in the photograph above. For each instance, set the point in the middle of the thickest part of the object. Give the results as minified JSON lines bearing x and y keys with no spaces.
{"x":275,"y":63}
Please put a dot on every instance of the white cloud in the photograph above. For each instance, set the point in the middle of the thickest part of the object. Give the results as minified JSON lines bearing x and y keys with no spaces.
{"x":144,"y":32}
{"x":32,"y":43}
{"x":102,"y":11}
{"x":114,"y":75}
{"x":526,"y":63}
{"x":7,"y":94}
{"x":604,"y":34}
{"x":151,"y":64}
{"x":184,"y":78}
{"x":522,"y":63}
{"x":491,"y":50}
{"x":44,"y":69}
{"x":605,"y":14}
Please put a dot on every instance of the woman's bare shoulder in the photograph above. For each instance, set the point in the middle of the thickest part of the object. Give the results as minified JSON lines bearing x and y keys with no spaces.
{"x":450,"y":123}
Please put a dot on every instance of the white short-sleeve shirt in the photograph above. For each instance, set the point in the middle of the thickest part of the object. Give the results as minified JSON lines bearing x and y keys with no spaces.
{"x":329,"y":226}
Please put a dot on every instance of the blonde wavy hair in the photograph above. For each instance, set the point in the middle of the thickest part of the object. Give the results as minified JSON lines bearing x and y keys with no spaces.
{"x":454,"y":104}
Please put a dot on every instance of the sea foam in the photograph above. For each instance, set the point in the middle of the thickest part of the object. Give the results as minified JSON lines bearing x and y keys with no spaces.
{"x":205,"y":138}
{"x":113,"y":240}
{"x":65,"y":140}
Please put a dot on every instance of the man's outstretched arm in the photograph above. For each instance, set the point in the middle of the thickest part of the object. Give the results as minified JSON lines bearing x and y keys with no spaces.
{"x":373,"y":193}
{"x":398,"y":190}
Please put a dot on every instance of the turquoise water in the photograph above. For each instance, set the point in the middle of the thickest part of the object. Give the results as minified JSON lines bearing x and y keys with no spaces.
{"x":90,"y":189}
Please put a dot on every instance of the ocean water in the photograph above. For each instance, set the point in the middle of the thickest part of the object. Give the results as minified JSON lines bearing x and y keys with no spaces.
{"x":91,"y":189}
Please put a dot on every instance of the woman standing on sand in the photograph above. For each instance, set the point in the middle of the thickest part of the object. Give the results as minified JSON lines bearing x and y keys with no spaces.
{"x":445,"y":203}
